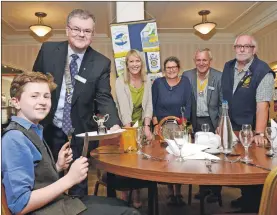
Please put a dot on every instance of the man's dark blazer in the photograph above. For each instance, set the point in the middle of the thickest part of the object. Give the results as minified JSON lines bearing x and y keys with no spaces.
{"x":91,"y":97}
{"x":214,"y":95}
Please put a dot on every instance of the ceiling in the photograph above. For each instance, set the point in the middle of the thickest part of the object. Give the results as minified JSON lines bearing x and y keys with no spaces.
{"x":171,"y":17}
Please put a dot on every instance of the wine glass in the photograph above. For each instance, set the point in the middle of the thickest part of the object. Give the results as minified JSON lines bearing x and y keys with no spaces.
{"x":205,"y":127}
{"x":246,"y":136}
{"x":271,"y":134}
{"x":139,"y":138}
{"x":179,"y":140}
{"x":183,"y":110}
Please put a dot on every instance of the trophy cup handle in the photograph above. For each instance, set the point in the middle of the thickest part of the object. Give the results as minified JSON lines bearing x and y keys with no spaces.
{"x":95,"y":118}
{"x":106,"y":117}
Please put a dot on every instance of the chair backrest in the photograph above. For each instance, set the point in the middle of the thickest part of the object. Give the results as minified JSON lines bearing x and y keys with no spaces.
{"x":4,"y":206}
{"x":268,"y":204}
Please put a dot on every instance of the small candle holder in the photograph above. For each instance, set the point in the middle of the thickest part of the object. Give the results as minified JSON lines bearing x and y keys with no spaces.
{"x":100,"y":120}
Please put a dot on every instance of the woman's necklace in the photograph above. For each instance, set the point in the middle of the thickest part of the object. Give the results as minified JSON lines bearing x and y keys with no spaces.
{"x":172,"y":84}
{"x":136,"y":83}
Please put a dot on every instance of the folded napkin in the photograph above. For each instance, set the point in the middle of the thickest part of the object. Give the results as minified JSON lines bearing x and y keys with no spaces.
{"x":199,"y":155}
{"x":208,"y":138}
{"x":274,"y":126}
{"x":136,"y":125}
{"x":189,"y":151}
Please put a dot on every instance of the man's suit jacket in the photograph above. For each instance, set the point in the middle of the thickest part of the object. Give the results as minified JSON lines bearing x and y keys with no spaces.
{"x":214,"y":95}
{"x":91,"y":97}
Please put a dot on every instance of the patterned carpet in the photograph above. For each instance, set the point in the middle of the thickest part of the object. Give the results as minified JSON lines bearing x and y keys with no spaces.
{"x":228,"y":194}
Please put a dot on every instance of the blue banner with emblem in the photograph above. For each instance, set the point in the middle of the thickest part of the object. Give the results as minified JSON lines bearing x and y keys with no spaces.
{"x":140,"y":35}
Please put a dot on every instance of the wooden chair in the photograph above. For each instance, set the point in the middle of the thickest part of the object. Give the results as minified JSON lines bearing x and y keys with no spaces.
{"x":4,"y":206}
{"x":101,"y":175}
{"x":101,"y":181}
{"x":269,"y":196}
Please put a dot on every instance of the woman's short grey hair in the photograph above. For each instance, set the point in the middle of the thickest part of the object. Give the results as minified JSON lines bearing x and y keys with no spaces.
{"x":80,"y":13}
{"x":204,"y":50}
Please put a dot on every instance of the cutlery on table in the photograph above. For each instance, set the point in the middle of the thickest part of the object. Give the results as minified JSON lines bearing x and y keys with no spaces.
{"x":69,"y":135}
{"x":256,"y":165}
{"x":208,"y":163}
{"x":85,"y":147}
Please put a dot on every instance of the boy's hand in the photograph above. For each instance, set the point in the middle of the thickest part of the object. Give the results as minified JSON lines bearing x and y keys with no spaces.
{"x":78,"y":170}
{"x":64,"y":157}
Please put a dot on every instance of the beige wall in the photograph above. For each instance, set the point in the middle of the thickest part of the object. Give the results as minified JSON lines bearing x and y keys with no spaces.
{"x":267,"y":41}
{"x":22,"y":54}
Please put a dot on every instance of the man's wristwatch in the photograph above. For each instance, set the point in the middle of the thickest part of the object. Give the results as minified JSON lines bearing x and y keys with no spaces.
{"x":260,"y":134}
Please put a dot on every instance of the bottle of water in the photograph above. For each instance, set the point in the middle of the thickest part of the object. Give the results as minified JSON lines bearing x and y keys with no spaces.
{"x":225,"y":130}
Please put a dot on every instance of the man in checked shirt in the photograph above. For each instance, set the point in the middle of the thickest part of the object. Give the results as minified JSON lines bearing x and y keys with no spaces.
{"x":247,"y":85}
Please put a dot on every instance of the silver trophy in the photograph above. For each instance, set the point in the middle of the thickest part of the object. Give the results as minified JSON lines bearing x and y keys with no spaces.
{"x":102,"y":129}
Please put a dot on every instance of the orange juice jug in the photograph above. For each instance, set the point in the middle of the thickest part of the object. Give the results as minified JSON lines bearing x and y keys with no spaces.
{"x":128,"y":139}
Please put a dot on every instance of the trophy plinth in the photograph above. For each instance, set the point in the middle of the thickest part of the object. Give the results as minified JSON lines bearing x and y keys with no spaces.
{"x":100,"y":120}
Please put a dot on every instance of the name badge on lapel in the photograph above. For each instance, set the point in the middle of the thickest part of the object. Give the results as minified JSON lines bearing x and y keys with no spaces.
{"x":210,"y":88}
{"x":81,"y":79}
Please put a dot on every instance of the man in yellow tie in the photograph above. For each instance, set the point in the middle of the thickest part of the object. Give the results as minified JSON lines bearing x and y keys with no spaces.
{"x":206,"y":101}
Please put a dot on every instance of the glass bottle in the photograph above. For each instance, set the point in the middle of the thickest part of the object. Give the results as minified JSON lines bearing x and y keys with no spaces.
{"x":225,"y":129}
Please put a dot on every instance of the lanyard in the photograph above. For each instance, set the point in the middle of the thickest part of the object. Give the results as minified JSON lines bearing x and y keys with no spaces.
{"x":201,"y":86}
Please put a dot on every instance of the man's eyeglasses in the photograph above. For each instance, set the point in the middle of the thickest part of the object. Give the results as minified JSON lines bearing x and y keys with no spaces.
{"x":171,"y":68}
{"x":76,"y":31}
{"x":244,"y":46}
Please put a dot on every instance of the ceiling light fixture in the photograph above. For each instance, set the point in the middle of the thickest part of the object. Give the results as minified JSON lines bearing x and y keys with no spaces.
{"x":204,"y":27}
{"x":40,"y":29}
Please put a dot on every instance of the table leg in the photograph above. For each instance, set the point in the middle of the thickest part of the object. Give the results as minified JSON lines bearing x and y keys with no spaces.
{"x":190,"y":194}
{"x":153,"y":206}
{"x":156,"y":200}
{"x":110,"y":190}
{"x":202,"y":201}
{"x":151,"y":194}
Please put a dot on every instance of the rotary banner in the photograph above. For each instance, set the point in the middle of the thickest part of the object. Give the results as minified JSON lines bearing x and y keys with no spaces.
{"x":140,"y":35}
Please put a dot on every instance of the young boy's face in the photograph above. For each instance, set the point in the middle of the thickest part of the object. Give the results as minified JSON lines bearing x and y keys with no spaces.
{"x":34,"y":103}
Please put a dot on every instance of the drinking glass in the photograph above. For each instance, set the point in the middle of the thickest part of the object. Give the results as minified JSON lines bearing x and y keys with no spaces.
{"x":179,"y":140}
{"x":246,"y":136}
{"x":139,"y":138}
{"x":271,"y":134}
{"x":205,"y":127}
{"x":183,"y":123}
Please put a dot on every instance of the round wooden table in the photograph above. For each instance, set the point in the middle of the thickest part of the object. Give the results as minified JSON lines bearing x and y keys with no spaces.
{"x":114,"y":160}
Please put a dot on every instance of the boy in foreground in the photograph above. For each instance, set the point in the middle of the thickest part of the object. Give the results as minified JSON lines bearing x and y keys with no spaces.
{"x":29,"y":174}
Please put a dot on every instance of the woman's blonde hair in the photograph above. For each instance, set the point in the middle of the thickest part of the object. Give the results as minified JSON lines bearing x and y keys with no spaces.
{"x":126,"y":73}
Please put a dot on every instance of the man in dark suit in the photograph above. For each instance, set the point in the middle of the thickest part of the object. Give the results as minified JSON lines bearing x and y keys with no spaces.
{"x":206,"y":102}
{"x":83,"y":78}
